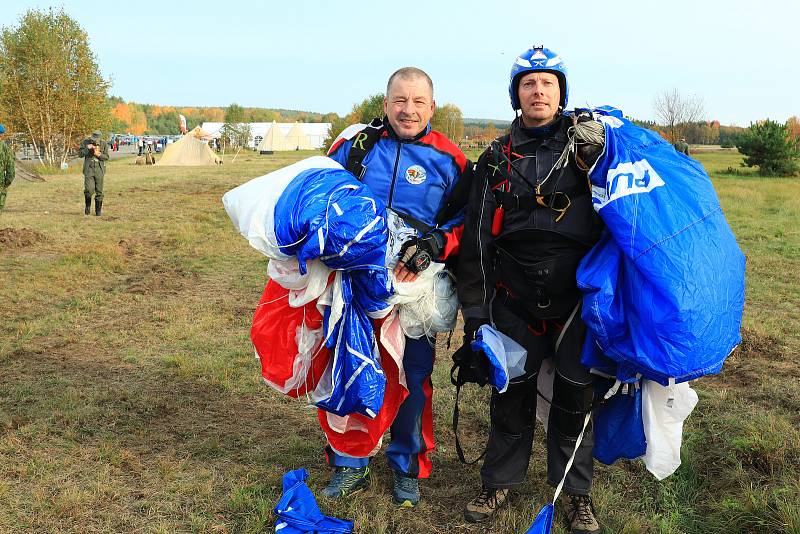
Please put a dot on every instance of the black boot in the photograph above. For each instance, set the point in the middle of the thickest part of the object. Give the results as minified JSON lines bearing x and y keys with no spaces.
{"x":88,"y":208}
{"x":98,"y":205}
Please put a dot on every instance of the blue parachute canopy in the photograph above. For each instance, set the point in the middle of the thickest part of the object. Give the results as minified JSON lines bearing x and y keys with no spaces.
{"x":297,"y":511}
{"x":330,"y":215}
{"x":506,"y":357}
{"x":664,"y":287}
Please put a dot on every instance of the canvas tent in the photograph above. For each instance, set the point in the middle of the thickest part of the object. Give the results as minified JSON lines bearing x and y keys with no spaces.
{"x":273,"y":140}
{"x":191,"y":149}
{"x":317,"y":132}
{"x":296,"y":139}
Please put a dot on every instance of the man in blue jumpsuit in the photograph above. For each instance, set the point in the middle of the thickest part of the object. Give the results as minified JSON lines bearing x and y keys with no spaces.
{"x":414,"y":170}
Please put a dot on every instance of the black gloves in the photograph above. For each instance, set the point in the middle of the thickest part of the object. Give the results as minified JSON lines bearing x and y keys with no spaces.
{"x":470,"y":366}
{"x":418,"y":253}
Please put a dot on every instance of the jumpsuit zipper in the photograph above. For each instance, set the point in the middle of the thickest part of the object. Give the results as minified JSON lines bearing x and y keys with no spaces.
{"x":394,"y":173}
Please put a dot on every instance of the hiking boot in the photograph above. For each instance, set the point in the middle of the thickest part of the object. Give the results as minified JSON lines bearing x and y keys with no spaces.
{"x":98,"y":206}
{"x":346,"y":481}
{"x":406,"y":491}
{"x":580,"y":514}
{"x":484,"y":506}
{"x":88,"y":206}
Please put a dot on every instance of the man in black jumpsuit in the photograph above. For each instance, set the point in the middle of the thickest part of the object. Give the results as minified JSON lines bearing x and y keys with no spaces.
{"x":529,"y":222}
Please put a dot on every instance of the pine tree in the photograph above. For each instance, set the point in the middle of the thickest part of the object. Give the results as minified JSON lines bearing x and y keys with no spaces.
{"x":769,"y":146}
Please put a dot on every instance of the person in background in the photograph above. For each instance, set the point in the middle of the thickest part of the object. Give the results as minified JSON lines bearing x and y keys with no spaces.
{"x":7,"y":170}
{"x":94,"y":152}
{"x":682,"y":146}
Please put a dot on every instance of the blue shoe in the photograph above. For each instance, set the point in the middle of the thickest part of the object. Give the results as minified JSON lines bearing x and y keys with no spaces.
{"x":406,"y":491}
{"x":346,"y":481}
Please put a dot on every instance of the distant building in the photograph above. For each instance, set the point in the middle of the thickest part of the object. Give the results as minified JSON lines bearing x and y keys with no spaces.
{"x":316,"y":132}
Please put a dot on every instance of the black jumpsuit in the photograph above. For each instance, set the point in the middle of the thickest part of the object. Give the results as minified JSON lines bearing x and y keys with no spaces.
{"x":523,"y":279}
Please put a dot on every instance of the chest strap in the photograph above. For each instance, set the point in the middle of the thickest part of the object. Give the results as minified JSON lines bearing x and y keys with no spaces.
{"x":362,"y":144}
{"x":558,"y":200}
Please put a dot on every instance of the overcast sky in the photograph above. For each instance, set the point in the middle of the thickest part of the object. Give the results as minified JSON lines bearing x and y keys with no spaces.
{"x":742,"y":58}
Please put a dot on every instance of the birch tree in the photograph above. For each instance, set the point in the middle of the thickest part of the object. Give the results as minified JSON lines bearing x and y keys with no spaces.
{"x":51,"y":89}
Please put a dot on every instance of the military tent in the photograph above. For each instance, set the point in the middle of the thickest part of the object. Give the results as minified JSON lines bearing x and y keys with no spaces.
{"x":191,"y":149}
{"x":296,"y":139}
{"x":273,"y":140}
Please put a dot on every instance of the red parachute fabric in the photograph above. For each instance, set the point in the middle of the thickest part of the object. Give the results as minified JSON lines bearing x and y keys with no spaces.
{"x":356,"y":442}
{"x":273,"y":335}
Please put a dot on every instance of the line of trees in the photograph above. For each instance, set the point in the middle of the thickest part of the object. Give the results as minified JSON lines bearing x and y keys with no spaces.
{"x":138,"y":119}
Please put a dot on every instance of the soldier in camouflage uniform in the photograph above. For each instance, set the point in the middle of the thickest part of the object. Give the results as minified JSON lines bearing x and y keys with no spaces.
{"x":94,"y":152}
{"x":682,"y":146}
{"x":6,"y":169}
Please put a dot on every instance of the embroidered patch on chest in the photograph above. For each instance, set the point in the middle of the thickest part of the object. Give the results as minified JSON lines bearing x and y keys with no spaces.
{"x":416,"y":174}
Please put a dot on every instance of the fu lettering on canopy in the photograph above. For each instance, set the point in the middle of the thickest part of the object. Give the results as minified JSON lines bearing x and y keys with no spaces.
{"x":629,"y":178}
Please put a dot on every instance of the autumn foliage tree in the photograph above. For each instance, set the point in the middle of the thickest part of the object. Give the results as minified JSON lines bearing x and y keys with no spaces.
{"x":50,"y":85}
{"x":449,"y":120}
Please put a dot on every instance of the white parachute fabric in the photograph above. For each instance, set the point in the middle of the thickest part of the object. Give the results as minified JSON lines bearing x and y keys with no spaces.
{"x":251,"y":206}
{"x":303,"y":288}
{"x":506,"y":356}
{"x":429,"y":304}
{"x":664,"y":409}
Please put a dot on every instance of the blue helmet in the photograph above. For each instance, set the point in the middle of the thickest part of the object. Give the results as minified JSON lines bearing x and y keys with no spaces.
{"x":538,"y":59}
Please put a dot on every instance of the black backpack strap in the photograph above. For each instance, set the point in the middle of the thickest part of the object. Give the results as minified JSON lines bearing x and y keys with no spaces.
{"x":458,"y":197}
{"x":459,"y":450}
{"x":362,"y":144}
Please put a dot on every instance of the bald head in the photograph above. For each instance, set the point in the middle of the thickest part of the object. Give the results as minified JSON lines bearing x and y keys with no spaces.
{"x":409,"y":74}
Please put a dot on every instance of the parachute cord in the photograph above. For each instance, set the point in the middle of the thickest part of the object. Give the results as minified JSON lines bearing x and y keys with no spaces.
{"x":286,"y":296}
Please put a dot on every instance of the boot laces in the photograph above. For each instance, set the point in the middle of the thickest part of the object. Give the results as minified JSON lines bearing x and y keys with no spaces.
{"x":582,"y":508}
{"x":407,"y":484}
{"x":487,"y":497}
{"x":346,"y":477}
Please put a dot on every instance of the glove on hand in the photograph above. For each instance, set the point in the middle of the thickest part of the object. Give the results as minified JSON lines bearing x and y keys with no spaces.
{"x":590,"y":136}
{"x":469,"y":366}
{"x":471,"y":326}
{"x":418,"y":253}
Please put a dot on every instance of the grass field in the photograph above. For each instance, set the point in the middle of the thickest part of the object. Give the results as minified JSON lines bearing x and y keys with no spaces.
{"x":130,"y":399}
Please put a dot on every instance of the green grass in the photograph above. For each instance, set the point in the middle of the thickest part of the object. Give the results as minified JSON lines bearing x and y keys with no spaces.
{"x":130,"y":399}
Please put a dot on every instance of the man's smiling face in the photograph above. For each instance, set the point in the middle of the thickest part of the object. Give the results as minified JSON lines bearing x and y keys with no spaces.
{"x":409,"y":106}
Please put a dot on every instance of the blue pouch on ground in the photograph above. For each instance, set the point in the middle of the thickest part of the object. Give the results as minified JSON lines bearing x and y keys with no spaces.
{"x":664,"y":287}
{"x":506,"y":356}
{"x":618,"y":424}
{"x":358,"y":379}
{"x":297,"y":511}
{"x":543,"y":523}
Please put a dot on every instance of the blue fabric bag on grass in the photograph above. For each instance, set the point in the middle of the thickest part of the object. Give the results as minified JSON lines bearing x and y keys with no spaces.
{"x":297,"y":511}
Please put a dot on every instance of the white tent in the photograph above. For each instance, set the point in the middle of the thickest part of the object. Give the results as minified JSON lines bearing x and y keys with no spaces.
{"x":273,"y":140}
{"x":296,"y":139}
{"x":317,"y":132}
{"x":191,"y":149}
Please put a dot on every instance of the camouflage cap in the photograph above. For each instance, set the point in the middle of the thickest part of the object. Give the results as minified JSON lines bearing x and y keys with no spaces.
{"x":97,"y":134}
